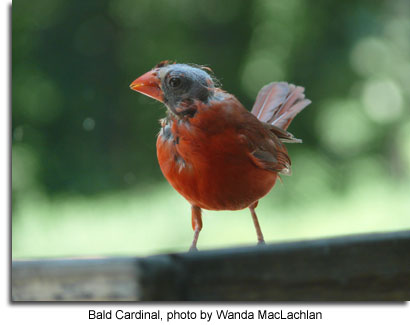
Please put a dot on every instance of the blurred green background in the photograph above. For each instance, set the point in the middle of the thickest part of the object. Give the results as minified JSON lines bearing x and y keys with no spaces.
{"x":85,"y":179}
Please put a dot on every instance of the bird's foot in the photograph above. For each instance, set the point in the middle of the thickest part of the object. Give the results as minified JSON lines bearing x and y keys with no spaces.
{"x":193,"y":249}
{"x":260,"y":242}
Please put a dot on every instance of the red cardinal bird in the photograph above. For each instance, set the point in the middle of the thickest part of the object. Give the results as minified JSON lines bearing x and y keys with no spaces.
{"x":214,"y":152}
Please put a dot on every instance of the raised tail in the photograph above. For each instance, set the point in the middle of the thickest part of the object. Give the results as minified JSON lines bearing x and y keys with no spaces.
{"x":278,"y":103}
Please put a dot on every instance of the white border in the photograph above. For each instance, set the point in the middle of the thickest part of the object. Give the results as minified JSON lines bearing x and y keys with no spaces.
{"x":362,"y":313}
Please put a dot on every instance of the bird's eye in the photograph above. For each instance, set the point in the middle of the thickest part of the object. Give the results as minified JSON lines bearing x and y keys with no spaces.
{"x":174,"y":82}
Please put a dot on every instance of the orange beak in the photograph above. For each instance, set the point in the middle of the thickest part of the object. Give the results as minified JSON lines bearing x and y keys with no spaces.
{"x":149,"y":85}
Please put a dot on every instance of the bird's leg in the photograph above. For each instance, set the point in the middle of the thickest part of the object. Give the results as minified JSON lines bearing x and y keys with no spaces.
{"x":196,"y":226}
{"x":252,"y":207}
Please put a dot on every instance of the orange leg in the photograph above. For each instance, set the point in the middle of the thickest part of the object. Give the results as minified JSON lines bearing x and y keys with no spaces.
{"x":196,"y":226}
{"x":256,"y":223}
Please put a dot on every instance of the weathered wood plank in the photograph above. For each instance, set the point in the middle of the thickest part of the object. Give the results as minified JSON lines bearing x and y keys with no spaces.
{"x":75,"y":279}
{"x":360,"y":267}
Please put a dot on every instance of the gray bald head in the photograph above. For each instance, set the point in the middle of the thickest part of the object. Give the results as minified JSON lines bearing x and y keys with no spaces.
{"x":182,"y":82}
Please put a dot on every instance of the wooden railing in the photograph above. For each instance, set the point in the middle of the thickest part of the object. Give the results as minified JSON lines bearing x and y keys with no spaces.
{"x":359,"y":267}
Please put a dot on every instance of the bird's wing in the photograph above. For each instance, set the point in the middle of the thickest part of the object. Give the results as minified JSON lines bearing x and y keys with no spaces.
{"x":278,"y":162}
{"x":265,"y":148}
{"x":263,"y":141}
{"x":278,"y":103}
{"x":283,"y":135}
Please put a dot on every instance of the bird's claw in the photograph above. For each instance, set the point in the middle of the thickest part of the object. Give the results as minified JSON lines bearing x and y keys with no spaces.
{"x":193,"y":249}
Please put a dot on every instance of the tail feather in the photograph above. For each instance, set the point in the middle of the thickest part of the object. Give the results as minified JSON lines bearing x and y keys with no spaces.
{"x":278,"y":103}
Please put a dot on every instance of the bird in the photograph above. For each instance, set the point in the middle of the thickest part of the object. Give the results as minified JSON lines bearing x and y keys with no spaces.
{"x":210,"y":148}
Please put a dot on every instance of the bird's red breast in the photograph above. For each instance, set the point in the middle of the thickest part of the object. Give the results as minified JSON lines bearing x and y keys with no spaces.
{"x":207,"y":157}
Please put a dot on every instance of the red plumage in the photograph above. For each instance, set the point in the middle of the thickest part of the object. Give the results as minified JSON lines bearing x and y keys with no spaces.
{"x":211,"y":149}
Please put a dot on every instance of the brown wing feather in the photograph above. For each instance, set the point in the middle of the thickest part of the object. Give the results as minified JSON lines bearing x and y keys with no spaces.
{"x":283,"y":135}
{"x":266,"y":149}
{"x":278,"y":162}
